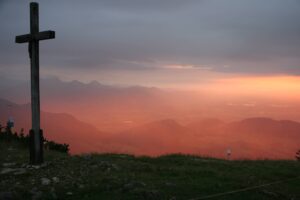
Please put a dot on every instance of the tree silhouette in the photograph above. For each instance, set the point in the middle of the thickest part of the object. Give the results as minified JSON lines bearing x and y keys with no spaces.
{"x":23,"y":139}
{"x":298,"y":155}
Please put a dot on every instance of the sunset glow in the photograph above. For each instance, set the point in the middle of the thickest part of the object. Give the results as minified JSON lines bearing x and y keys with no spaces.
{"x":281,"y":87}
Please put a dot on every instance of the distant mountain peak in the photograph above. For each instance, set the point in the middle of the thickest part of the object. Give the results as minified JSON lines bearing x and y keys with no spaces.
{"x":94,"y":83}
{"x":76,"y":82}
{"x":5,"y":102}
{"x":255,"y":120}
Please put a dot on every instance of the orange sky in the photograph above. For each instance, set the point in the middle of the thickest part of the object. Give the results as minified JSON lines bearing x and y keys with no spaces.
{"x":280,"y":87}
{"x":188,"y":78}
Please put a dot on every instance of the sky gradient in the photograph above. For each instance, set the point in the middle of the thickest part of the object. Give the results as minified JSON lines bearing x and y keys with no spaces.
{"x":156,"y":43}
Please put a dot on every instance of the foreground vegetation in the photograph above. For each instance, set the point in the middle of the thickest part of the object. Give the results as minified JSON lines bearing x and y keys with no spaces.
{"x":113,"y":176}
{"x":23,"y":140}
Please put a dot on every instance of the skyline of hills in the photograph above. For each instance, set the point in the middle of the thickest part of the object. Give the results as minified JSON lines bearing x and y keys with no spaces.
{"x":117,"y":107}
{"x":60,"y":127}
{"x":252,"y":138}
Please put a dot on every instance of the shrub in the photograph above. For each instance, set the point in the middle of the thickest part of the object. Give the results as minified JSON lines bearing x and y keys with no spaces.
{"x":7,"y":135}
{"x":51,"y":145}
{"x":298,"y":155}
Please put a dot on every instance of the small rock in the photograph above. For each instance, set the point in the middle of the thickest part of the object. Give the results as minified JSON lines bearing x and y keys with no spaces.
{"x":81,"y":186}
{"x":87,"y":156}
{"x":30,"y":167}
{"x":133,"y":185}
{"x":7,"y":170}
{"x":94,"y":166}
{"x":45,"y":181}
{"x":55,"y":179}
{"x":44,"y":165}
{"x":20,"y":171}
{"x":69,"y":193}
{"x":104,"y":164}
{"x":36,"y":166}
{"x":8,"y":164}
{"x":115,"y":167}
{"x":170,"y":184}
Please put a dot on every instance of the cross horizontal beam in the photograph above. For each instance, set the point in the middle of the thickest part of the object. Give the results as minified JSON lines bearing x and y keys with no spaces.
{"x":44,"y":35}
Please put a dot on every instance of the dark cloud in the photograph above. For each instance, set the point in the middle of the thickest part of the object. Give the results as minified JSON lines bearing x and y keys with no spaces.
{"x":246,"y":36}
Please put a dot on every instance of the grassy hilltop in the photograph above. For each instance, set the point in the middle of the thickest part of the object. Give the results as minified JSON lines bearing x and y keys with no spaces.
{"x":113,"y":176}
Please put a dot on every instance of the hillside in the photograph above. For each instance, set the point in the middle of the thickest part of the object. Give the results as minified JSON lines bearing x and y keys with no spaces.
{"x":119,"y":176}
{"x":252,"y":138}
{"x":114,"y":108}
{"x":59,"y":127}
{"x":155,"y":138}
{"x":104,"y":106}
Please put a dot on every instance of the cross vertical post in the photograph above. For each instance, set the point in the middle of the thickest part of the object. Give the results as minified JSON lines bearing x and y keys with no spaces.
{"x":36,"y":134}
{"x":35,"y":85}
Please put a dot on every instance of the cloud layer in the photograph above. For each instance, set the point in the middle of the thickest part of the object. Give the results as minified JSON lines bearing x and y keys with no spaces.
{"x":235,"y":36}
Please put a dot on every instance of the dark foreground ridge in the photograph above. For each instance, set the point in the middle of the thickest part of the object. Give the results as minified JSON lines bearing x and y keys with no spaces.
{"x":116,"y":176}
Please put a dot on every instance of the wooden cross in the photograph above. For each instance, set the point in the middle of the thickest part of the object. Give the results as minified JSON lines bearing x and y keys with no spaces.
{"x":33,"y":38}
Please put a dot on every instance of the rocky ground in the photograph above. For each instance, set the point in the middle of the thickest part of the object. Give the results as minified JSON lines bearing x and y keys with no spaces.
{"x":113,"y":176}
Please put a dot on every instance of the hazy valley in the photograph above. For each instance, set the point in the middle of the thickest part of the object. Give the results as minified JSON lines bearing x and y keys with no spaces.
{"x":151,"y":121}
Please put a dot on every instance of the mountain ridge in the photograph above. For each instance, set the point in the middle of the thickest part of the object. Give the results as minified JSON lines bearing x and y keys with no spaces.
{"x":271,"y":139}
